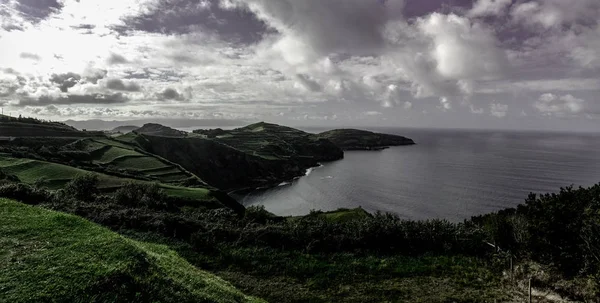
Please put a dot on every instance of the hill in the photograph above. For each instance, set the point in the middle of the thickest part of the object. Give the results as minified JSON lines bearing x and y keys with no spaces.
{"x":154,"y":129}
{"x":31,"y":127}
{"x":55,"y":176}
{"x":124,"y":129}
{"x":257,"y":155}
{"x":354,"y":139}
{"x":49,"y":256}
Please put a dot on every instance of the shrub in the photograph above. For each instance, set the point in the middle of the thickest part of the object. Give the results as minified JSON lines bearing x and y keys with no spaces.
{"x":141,"y":195}
{"x":24,"y":193}
{"x":83,"y":187}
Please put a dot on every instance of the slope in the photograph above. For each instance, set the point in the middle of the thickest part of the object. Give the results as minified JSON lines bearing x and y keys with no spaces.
{"x":50,"y":256}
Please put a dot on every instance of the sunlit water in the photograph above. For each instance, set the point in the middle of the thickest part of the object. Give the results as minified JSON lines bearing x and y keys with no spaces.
{"x":448,"y":174}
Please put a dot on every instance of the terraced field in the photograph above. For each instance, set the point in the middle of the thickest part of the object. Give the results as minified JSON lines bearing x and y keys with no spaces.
{"x":118,"y":155}
{"x":55,"y":176}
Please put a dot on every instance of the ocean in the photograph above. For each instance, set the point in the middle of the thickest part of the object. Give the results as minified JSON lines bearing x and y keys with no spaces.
{"x":448,"y":174}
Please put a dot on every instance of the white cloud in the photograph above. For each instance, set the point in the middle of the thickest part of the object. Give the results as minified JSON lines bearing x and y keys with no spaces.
{"x":483,"y":8}
{"x":551,"y":104}
{"x":475,"y":110}
{"x":445,"y":104}
{"x":498,"y":110}
{"x":463,"y":50}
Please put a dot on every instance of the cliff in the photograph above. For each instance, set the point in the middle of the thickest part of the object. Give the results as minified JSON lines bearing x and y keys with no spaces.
{"x":257,"y":155}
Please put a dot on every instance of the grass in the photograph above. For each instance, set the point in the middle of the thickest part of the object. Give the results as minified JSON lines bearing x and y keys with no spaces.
{"x":114,"y":153}
{"x":56,"y":175}
{"x":139,"y":163}
{"x":344,"y":277}
{"x":50,"y":256}
{"x":188,"y":192}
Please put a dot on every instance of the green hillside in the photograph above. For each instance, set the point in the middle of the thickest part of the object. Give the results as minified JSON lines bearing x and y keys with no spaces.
{"x":31,"y":127}
{"x":118,"y":156}
{"x":49,"y":256}
{"x":55,"y":176}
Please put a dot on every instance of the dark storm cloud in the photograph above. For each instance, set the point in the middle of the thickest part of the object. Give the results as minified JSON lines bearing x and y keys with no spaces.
{"x":65,"y":81}
{"x":117,"y":98}
{"x":116,"y":59}
{"x":30,"y":56}
{"x":37,"y":10}
{"x":184,"y":16}
{"x":117,"y":84}
{"x":169,"y":94}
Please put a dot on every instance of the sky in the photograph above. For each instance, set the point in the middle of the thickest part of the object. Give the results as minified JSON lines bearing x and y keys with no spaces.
{"x":493,"y":64}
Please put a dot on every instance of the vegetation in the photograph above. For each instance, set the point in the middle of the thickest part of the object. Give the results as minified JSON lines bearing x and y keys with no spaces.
{"x":48,"y":256}
{"x":354,"y":139}
{"x":31,"y":127}
{"x":352,"y":256}
{"x":343,"y":256}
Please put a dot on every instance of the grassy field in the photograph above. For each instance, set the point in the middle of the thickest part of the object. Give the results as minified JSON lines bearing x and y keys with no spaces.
{"x":111,"y":154}
{"x":57,"y":175}
{"x":48,"y":256}
{"x":118,"y":155}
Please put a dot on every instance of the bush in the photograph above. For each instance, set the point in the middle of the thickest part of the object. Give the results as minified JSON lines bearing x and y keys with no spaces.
{"x":84,"y":187}
{"x":141,"y":195}
{"x":24,"y":193}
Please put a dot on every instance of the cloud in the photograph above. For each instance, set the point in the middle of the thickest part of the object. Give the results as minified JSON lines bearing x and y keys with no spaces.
{"x":307,"y":83}
{"x":170,"y":94}
{"x":65,"y":81}
{"x":184,"y":16}
{"x":94,"y":74}
{"x":551,"y":14}
{"x":37,"y":10}
{"x":551,"y":104}
{"x":30,"y":56}
{"x":117,"y":84}
{"x":313,"y":28}
{"x":463,"y":49}
{"x":483,"y":8}
{"x":498,"y":110}
{"x":115,"y":59}
{"x":117,"y":98}
{"x":475,"y":110}
{"x":445,"y":104}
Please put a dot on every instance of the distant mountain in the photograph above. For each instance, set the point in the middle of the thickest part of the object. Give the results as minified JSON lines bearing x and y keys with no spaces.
{"x":174,"y":123}
{"x":125,"y":129}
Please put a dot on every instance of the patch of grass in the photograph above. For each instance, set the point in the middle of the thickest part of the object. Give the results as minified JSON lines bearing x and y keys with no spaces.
{"x":50,"y":256}
{"x":56,"y":175}
{"x":138,"y":163}
{"x":342,"y":215}
{"x":188,"y":192}
{"x":111,"y":142}
{"x":116,"y":152}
